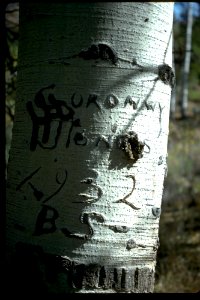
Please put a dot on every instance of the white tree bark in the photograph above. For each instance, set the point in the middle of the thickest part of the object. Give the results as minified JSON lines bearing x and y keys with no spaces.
{"x":88,"y":154}
{"x":173,"y":94}
{"x":186,"y":66}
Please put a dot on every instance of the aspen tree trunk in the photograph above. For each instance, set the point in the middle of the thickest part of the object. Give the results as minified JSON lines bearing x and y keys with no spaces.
{"x":173,"y":94}
{"x":88,"y":154}
{"x":186,"y":66}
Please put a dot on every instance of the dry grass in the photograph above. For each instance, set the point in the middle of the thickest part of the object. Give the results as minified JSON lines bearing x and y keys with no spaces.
{"x":178,"y":260}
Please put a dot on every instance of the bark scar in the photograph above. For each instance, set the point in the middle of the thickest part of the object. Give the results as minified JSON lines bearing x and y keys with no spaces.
{"x":130,"y":144}
{"x":166,"y":74}
{"x":98,"y":51}
{"x":123,"y":200}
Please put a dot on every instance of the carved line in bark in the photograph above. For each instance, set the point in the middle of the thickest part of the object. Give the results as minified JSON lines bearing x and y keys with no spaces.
{"x":111,"y":101}
{"x":85,"y":218}
{"x":97,"y":51}
{"x":123,"y":200}
{"x":58,"y":111}
{"x":149,"y":148}
{"x":133,"y":103}
{"x":59,"y":189}
{"x":160,"y":119}
{"x":90,"y":198}
{"x":60,"y":116}
{"x":106,"y":53}
{"x":39,"y":194}
{"x":117,"y":228}
{"x":27,"y":178}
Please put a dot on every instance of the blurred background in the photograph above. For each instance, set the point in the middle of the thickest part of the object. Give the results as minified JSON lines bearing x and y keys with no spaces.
{"x":178,"y":259}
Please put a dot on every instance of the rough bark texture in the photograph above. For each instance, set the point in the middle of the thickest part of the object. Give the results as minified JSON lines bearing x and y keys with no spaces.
{"x":173,"y":94}
{"x":89,"y":148}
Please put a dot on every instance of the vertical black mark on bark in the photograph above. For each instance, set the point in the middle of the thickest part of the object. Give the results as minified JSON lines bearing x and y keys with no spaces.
{"x":115,"y":277}
{"x":136,"y":278}
{"x":123,"y":279}
{"x":102,"y":276}
{"x":75,"y":123}
{"x":160,"y":119}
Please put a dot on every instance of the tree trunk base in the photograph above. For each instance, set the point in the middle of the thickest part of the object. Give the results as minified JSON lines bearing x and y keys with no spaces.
{"x":31,"y":271}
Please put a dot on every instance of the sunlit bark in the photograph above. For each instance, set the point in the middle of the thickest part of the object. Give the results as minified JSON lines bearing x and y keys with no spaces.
{"x":173,"y":95}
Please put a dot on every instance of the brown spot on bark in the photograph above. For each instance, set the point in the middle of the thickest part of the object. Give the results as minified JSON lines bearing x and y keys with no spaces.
{"x":132,"y":147}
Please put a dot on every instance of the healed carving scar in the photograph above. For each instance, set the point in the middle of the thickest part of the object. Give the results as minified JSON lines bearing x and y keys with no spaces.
{"x":124,"y":200}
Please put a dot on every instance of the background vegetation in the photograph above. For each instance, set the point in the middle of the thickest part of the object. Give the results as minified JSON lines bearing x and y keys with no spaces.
{"x":178,"y":260}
